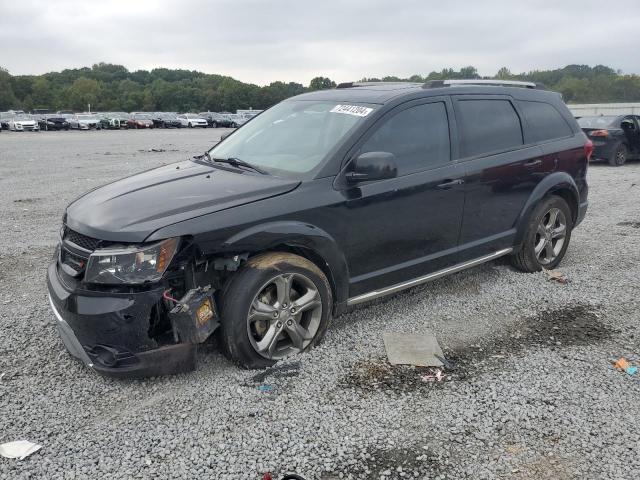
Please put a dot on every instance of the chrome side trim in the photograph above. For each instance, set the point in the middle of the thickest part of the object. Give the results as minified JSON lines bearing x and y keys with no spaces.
{"x":365,"y":297}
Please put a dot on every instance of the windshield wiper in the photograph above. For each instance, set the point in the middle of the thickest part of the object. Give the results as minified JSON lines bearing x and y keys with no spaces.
{"x":233,"y":161}
{"x":237,"y":162}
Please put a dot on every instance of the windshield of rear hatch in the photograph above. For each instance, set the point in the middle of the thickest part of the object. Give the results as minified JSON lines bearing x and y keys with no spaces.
{"x":601,"y":121}
{"x":293,"y":137}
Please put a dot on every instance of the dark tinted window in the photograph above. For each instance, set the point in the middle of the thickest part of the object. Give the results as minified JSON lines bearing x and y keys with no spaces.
{"x":487,"y":126}
{"x":544,"y":122}
{"x":417,"y":136}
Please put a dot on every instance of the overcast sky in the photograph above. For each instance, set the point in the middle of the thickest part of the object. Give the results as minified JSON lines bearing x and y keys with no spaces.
{"x":263,"y":41}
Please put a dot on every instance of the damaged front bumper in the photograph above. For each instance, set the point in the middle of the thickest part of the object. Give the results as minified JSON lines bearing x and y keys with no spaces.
{"x":111,"y":332}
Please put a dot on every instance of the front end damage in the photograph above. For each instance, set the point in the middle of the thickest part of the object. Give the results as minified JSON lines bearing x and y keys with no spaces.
{"x":134,"y":330}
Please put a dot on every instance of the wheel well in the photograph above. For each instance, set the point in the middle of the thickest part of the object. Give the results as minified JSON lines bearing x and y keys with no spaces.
{"x":570,"y":198}
{"x":313,"y":257}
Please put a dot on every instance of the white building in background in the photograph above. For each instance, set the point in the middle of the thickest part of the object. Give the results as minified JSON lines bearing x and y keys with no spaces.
{"x":581,"y":110}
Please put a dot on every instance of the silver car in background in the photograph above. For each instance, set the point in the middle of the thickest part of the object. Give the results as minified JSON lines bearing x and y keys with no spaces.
{"x":84,"y":121}
{"x":191,"y":120}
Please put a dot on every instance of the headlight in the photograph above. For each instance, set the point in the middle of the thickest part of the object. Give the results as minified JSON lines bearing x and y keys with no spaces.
{"x":135,"y":264}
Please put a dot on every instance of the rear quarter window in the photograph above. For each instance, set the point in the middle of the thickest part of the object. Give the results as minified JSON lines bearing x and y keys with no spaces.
{"x":543,"y":122}
{"x":488,"y":126}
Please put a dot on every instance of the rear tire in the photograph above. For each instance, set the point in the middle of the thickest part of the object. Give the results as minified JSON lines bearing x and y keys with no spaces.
{"x":546,"y":238}
{"x":259,"y":303}
{"x":619,"y":155}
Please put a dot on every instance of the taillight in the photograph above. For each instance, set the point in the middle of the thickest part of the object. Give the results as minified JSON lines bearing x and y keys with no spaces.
{"x":588,"y":149}
{"x":599,"y":133}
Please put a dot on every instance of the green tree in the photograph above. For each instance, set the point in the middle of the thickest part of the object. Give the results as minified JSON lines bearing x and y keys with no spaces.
{"x":321,"y":83}
{"x":8,"y":100}
{"x":82,"y":93}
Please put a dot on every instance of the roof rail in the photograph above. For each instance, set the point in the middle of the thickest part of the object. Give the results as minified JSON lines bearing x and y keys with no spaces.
{"x":372,"y":84}
{"x":495,"y":83}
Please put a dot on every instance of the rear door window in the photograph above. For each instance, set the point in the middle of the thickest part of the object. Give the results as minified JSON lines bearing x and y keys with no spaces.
{"x":487,"y":125}
{"x":417,"y":136}
{"x":543,"y":121}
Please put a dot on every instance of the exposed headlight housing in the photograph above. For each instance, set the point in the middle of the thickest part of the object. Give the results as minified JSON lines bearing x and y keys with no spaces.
{"x":136,"y":264}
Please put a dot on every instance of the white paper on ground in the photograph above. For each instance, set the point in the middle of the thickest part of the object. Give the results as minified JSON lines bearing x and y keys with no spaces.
{"x":19,"y":449}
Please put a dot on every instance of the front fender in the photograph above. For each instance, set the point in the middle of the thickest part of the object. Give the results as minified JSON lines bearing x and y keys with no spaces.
{"x":293,"y":234}
{"x":269,"y":236}
{"x":555,"y":182}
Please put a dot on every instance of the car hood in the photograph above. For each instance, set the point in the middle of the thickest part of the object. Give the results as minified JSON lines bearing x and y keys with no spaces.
{"x":131,"y":209}
{"x":25,"y":122}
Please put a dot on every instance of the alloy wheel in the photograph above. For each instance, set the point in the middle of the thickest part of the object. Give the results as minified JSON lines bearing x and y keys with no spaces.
{"x":284,"y":316}
{"x":550,"y":236}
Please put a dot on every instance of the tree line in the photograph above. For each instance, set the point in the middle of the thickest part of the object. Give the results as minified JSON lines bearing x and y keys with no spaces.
{"x":108,"y":87}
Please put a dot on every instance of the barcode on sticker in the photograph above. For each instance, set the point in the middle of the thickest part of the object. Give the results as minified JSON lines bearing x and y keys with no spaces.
{"x":356,"y":110}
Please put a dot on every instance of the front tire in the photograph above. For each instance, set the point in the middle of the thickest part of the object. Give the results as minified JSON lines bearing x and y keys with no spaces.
{"x":619,"y":155}
{"x":277,"y":305}
{"x":547,"y":236}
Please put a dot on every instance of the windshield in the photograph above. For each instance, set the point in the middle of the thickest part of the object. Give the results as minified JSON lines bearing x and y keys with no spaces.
{"x":143,"y":116}
{"x":597,"y":122}
{"x":292,"y":137}
{"x":86,"y":117}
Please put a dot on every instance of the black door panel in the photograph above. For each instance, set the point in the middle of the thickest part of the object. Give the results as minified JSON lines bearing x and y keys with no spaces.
{"x":402,"y":228}
{"x":497,"y":189}
{"x":406,"y":226}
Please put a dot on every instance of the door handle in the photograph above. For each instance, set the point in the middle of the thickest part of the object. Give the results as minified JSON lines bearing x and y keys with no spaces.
{"x":447,"y":184}
{"x":533,"y":163}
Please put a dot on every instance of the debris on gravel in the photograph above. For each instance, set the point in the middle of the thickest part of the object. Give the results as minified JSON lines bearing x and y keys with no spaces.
{"x":530,"y":392}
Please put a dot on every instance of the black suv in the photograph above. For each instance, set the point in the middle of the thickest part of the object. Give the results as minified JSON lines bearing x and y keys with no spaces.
{"x":326,"y":200}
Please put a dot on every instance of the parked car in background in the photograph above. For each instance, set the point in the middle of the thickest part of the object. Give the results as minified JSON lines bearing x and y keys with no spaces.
{"x":216,"y":120}
{"x":191,"y":120}
{"x":140,"y":120}
{"x":84,"y":121}
{"x":53,"y":122}
{"x":4,"y":119}
{"x":122,"y":117}
{"x":616,"y":138}
{"x":109,"y":121}
{"x":22,"y":122}
{"x":166,"y":120}
{"x":236,"y":120}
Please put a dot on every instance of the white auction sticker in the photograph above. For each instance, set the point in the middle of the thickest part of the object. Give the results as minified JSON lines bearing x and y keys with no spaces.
{"x":356,"y":110}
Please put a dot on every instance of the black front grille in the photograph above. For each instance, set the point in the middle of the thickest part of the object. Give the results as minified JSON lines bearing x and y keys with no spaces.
{"x":88,"y":243}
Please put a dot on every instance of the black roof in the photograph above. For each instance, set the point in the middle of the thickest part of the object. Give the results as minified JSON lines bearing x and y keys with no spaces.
{"x":383,"y":92}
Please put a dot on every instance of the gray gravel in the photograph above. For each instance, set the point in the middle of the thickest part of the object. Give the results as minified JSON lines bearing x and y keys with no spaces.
{"x":532,"y":393}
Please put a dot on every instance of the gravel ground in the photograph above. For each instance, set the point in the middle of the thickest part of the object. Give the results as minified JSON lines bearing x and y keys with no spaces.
{"x":531,"y":392}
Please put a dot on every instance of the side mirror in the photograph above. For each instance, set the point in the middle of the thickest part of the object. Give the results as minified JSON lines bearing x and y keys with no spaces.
{"x":225,"y":135}
{"x":372,"y":166}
